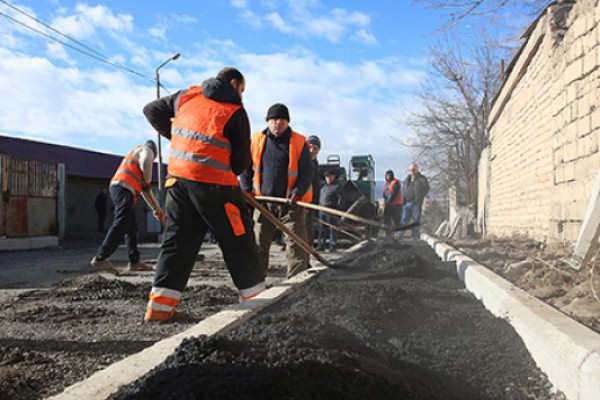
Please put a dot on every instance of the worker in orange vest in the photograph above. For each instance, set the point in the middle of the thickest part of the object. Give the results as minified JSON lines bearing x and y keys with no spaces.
{"x":132,"y":178}
{"x":281,"y":167}
{"x":392,"y":196}
{"x":210,"y":145}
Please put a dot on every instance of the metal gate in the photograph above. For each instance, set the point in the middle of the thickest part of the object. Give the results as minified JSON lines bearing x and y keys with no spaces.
{"x":28,"y":204}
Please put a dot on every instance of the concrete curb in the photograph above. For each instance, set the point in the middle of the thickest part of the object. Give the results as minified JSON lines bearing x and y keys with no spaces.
{"x":29,"y":243}
{"x":568,"y":352}
{"x":103,"y":383}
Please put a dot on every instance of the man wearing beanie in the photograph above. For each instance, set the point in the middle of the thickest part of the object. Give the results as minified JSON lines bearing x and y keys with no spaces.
{"x":314,"y":146}
{"x":281,"y":167}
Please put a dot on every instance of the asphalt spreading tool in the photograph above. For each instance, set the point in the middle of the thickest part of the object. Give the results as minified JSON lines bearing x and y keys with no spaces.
{"x":300,"y":241}
{"x":338,"y":213}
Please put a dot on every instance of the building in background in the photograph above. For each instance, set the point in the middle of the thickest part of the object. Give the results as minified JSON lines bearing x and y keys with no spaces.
{"x":49,"y":190}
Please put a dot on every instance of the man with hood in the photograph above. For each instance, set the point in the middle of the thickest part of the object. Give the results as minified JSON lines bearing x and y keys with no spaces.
{"x":209,"y":132}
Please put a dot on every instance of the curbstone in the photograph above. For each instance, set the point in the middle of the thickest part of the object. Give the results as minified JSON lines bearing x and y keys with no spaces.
{"x":567,"y":351}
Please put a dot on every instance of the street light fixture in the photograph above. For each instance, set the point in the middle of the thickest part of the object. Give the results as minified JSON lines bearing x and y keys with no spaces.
{"x":160,"y":180}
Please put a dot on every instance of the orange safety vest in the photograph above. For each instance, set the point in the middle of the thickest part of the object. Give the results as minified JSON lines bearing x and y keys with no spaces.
{"x":389,"y":186}
{"x":129,"y":171}
{"x":297,"y":142}
{"x":199,"y":150}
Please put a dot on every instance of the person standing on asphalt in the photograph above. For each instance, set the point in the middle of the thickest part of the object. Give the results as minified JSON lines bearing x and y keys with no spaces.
{"x":331,"y":195}
{"x":416,"y":187}
{"x":314,"y":147}
{"x":132,"y":178}
{"x":101,"y":204}
{"x":392,"y":196}
{"x":281,"y":167}
{"x":210,"y":145}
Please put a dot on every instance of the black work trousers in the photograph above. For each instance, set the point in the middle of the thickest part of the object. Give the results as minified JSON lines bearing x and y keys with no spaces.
{"x":123,"y":225}
{"x":393,"y":215}
{"x":192,"y":208}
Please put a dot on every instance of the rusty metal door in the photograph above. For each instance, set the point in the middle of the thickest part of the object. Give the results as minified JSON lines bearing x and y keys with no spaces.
{"x":29,"y":197}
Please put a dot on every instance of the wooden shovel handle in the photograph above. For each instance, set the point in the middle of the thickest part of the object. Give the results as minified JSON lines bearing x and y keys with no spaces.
{"x":275,"y":221}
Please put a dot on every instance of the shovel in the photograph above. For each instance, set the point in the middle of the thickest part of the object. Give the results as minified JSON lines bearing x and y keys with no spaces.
{"x":305,"y":246}
{"x":339,"y":213}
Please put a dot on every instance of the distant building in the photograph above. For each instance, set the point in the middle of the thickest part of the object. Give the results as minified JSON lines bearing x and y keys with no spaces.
{"x":49,"y":190}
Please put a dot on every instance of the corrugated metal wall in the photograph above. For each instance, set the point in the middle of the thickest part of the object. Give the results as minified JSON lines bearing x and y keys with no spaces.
{"x":29,"y":194}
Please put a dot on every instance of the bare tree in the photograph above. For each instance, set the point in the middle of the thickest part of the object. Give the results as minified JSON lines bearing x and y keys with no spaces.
{"x":451,"y":128}
{"x":457,"y":10}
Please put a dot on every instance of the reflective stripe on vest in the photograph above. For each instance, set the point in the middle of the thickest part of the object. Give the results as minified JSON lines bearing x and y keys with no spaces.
{"x":297,"y":142}
{"x":199,"y":150}
{"x":388,"y":187}
{"x":129,"y":171}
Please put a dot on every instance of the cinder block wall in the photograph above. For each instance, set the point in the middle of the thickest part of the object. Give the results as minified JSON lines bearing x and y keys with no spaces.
{"x":545,"y":130}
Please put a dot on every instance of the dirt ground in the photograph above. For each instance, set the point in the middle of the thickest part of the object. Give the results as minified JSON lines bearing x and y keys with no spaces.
{"x":77,"y":321}
{"x":540,"y":270}
{"x":397,"y":325}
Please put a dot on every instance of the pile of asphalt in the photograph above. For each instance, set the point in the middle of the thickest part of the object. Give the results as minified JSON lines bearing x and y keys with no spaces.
{"x":397,"y":325}
{"x":52,"y":338}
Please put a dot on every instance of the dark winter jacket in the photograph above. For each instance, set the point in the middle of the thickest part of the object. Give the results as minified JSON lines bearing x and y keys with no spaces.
{"x":316,"y":182}
{"x":274,"y":166}
{"x":237,"y":130}
{"x":415,"y":189}
{"x":331,"y":195}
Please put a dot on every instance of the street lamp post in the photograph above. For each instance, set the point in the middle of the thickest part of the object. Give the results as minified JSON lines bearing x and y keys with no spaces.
{"x":160,"y":178}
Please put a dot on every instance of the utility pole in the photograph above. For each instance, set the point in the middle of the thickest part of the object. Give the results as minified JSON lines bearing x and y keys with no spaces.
{"x":160,"y":177}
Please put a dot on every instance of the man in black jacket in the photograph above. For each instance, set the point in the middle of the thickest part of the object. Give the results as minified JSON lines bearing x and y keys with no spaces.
{"x":416,"y":187}
{"x":281,"y":167}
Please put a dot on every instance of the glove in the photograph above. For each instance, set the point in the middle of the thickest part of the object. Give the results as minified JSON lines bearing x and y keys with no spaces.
{"x":250,"y":193}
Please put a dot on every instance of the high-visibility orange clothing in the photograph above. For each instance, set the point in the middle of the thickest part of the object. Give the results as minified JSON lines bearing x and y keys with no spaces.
{"x":129,"y":171}
{"x":257,"y":147}
{"x":199,"y":150}
{"x":388,"y":188}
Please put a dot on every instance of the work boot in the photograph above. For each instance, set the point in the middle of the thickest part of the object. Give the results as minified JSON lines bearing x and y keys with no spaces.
{"x":104,"y":265}
{"x":139,"y":266}
{"x":180,"y":316}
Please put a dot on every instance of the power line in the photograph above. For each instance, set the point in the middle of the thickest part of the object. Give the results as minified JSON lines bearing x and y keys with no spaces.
{"x":52,"y":28}
{"x":100,"y":58}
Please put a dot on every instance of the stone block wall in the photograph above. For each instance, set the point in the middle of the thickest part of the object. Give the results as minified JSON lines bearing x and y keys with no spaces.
{"x":545,"y":129}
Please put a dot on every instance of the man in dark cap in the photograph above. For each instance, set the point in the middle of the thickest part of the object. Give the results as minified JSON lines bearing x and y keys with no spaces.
{"x":331,"y":195}
{"x":281,"y":167}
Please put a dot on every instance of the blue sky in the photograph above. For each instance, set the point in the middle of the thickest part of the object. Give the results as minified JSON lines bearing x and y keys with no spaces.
{"x":348,"y":70}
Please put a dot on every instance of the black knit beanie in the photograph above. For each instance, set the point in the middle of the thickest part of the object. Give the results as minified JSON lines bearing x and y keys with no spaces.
{"x":278,"y":110}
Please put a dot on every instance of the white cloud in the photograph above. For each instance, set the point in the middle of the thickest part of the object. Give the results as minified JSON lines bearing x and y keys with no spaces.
{"x":243,"y":4}
{"x":68,"y":104}
{"x":84,"y":23}
{"x":276,"y":21}
{"x":308,"y":18}
{"x":168,"y":22}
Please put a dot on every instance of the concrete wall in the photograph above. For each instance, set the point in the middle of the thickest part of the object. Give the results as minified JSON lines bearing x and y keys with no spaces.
{"x":80,"y":214}
{"x":545,"y":130}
